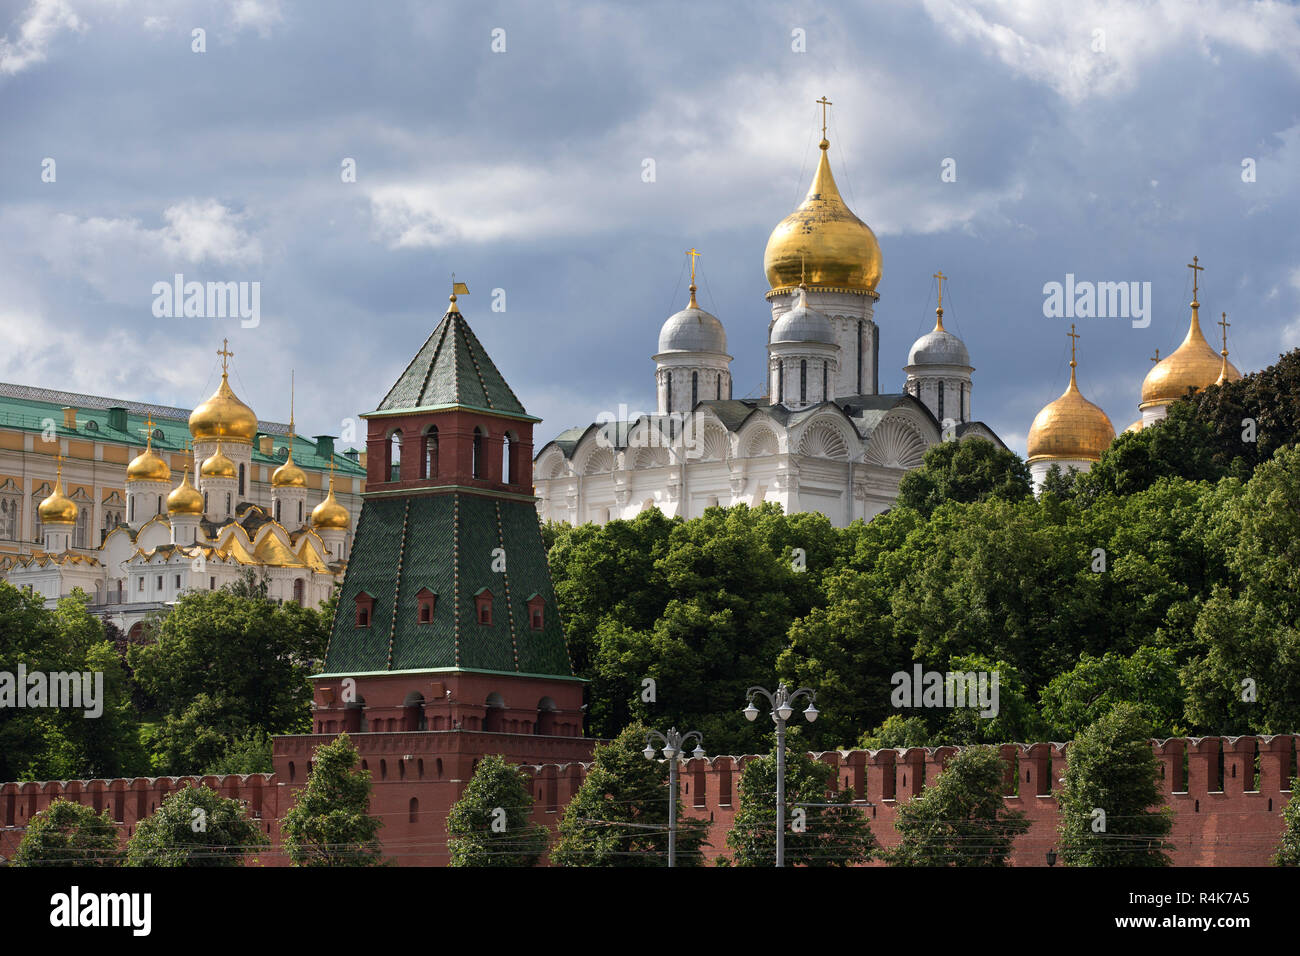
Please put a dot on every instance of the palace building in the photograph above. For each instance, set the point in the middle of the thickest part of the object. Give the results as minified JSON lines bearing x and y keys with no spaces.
{"x":212,"y":494}
{"x":823,"y":438}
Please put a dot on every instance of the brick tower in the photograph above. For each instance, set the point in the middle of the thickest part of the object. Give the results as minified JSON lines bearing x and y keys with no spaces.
{"x":447,"y":644}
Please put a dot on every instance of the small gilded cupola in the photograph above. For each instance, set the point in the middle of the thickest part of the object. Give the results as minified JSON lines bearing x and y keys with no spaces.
{"x":1070,"y":432}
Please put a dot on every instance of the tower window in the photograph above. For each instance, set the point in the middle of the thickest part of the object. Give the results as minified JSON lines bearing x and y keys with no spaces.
{"x":536,"y":612}
{"x":859,"y":356}
{"x":803,"y":381}
{"x":507,"y":464}
{"x":395,"y":456}
{"x":941,"y":403}
{"x":277,"y":510}
{"x":483,"y":604}
{"x":780,"y":382}
{"x":695,"y":389}
{"x":241,"y":481}
{"x":426,"y":600}
{"x":826,"y":395}
{"x":669,"y":377}
{"x":431,"y":452}
{"x":365,"y":605}
{"x":477,"y":463}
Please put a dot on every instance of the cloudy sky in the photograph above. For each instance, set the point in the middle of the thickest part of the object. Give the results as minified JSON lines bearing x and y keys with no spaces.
{"x":1101,"y":139}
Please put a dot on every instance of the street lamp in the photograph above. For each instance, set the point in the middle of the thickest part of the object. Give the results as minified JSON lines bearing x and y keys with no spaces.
{"x":674,"y":745}
{"x":782,"y":709}
{"x":1051,"y":857}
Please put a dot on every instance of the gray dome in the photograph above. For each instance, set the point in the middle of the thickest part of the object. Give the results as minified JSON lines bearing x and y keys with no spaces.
{"x":802,"y":324}
{"x":693,"y":330}
{"x":938,"y":347}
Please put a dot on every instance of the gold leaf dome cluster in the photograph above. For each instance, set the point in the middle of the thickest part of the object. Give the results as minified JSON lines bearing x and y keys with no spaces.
{"x":1194,"y":364}
{"x":218,"y":466}
{"x":223,"y":417}
{"x":1070,"y":428}
{"x":58,"y":508}
{"x":185,"y":499}
{"x":823,"y":243}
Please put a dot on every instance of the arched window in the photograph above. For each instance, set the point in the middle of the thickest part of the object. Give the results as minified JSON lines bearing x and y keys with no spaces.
{"x":669,"y":377}
{"x":803,"y":380}
{"x":277,"y":510}
{"x":494,"y":717}
{"x":414,"y":810}
{"x":477,"y":461}
{"x":227,"y":502}
{"x":695,"y":389}
{"x":83,"y":517}
{"x":413,"y":717}
{"x":241,"y":480}
{"x":298,"y":591}
{"x":780,"y":382}
{"x":545,"y":725}
{"x":961,"y":410}
{"x":130,"y":506}
{"x":205,"y":504}
{"x":859,"y":356}
{"x":719,"y":388}
{"x":159,"y":509}
{"x":507,"y":459}
{"x":941,"y":403}
{"x":430,"y":452}
{"x":300,"y":511}
{"x":395,"y":456}
{"x":826,"y":394}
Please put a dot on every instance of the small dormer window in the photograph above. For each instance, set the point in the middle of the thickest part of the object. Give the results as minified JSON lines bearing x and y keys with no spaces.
{"x":536,"y":612}
{"x":365,"y":609}
{"x":483,"y":603}
{"x":426,"y":600}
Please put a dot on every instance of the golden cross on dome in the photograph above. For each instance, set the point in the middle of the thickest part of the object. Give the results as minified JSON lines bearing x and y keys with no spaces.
{"x":824,"y":103}
{"x":1225,"y":323}
{"x":59,"y":459}
{"x":225,"y":354}
{"x":1195,"y":269}
{"x":1073,"y":340}
{"x":1156,"y":358}
{"x":149,"y":424}
{"x":940,"y":276}
{"x":694,"y":255}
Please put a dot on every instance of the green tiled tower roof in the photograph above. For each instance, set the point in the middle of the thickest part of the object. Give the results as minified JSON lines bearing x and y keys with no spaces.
{"x":446,"y":543}
{"x":452,"y":368}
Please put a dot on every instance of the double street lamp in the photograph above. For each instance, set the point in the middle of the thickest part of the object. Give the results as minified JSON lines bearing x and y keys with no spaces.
{"x":674,"y":746}
{"x":782,"y":709}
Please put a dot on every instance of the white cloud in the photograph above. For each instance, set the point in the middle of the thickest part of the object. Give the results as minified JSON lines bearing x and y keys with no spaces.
{"x":1055,"y":42}
{"x":259,"y":15}
{"x":41,"y":23}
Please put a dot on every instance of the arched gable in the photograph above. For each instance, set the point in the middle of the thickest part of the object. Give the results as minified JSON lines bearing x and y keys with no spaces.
{"x":827,"y":435}
{"x":898,"y":442}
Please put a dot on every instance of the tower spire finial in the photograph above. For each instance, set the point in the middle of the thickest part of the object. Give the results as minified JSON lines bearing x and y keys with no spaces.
{"x":824,"y":102}
{"x":1224,"y":323}
{"x":1074,"y":338}
{"x":457,"y":288}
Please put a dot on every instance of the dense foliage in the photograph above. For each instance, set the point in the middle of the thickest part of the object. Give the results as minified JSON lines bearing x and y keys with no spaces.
{"x":330,"y":822}
{"x":491,"y":824}
{"x":68,"y":834}
{"x":195,"y":826}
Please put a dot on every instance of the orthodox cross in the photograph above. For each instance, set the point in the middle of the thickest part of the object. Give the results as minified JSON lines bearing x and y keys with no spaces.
{"x":824,"y":103}
{"x":225,"y":354}
{"x":1225,"y":323}
{"x":149,"y":424}
{"x":694,"y":255}
{"x":1195,"y":269}
{"x":1156,"y":358}
{"x":940,"y":276}
{"x":1073,"y":341}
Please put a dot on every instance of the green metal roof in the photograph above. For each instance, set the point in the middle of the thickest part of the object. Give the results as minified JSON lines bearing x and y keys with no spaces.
{"x":452,"y":368}
{"x":445,"y":542}
{"x":93,"y":425}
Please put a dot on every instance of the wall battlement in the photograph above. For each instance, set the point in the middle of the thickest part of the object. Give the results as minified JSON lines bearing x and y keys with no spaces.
{"x":1227,"y":792}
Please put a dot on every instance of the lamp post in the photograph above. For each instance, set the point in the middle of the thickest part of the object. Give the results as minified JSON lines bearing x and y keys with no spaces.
{"x":674,"y":744}
{"x":782,"y":710}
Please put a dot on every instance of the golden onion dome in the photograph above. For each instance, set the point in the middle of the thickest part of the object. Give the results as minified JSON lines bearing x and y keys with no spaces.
{"x":185,"y":498}
{"x":218,"y":466}
{"x":58,"y":508}
{"x":223,"y":417}
{"x":1070,"y":428}
{"x":329,"y":513}
{"x":289,"y":475}
{"x":823,"y":242}
{"x":1194,"y":364}
{"x":1135,"y":427}
{"x":148,"y":466}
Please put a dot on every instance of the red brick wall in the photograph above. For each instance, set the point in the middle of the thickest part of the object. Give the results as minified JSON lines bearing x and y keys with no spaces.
{"x":1220,"y":819}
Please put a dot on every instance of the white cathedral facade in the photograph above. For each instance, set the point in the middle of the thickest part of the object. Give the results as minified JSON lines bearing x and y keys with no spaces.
{"x":824,"y":437}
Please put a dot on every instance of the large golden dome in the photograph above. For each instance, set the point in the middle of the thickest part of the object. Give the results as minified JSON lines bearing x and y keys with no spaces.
{"x":1194,"y":364}
{"x":223,"y":417}
{"x":823,"y":242}
{"x":185,"y":499}
{"x":329,"y":513}
{"x":289,"y":475}
{"x":218,"y":466}
{"x":1070,"y":428}
{"x":148,"y":466}
{"x":58,"y":508}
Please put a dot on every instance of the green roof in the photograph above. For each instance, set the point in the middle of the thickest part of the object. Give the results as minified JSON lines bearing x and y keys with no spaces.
{"x":452,"y":368}
{"x":93,"y":425}
{"x":445,"y":542}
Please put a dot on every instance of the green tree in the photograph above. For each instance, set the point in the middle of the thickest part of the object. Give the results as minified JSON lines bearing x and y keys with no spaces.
{"x":1288,"y":849}
{"x":1148,"y":679}
{"x":964,"y":471}
{"x":897,"y":731}
{"x":962,"y":818}
{"x":1110,"y":789}
{"x":329,"y":823}
{"x":490,"y":825}
{"x":195,"y":826}
{"x":225,"y":664}
{"x":1181,"y":445}
{"x":619,"y":816}
{"x":250,"y":753}
{"x":822,"y":827}
{"x":68,"y":834}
